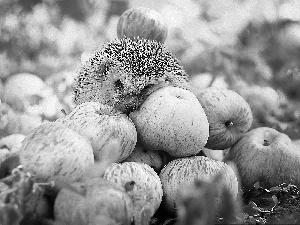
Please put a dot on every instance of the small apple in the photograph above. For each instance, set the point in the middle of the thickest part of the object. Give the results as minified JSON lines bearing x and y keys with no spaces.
{"x":83,"y":202}
{"x":289,"y":37}
{"x":12,"y":122}
{"x":101,"y":124}
{"x":142,"y":22}
{"x":26,"y":92}
{"x":262,"y":100}
{"x":171,"y":119}
{"x":12,"y":142}
{"x":143,"y":184}
{"x":229,"y":116}
{"x":267,"y":156}
{"x":213,"y":154}
{"x":203,"y":80}
{"x":156,"y":159}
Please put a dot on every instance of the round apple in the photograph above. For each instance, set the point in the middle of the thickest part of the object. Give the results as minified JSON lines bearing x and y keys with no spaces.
{"x":171,"y":119}
{"x":53,"y":152}
{"x":12,"y":142}
{"x":289,"y":37}
{"x":229,"y":116}
{"x":26,"y":92}
{"x":143,"y":185}
{"x":12,"y":122}
{"x":101,"y":124}
{"x":184,"y":171}
{"x":262,"y":100}
{"x":213,"y":153}
{"x":266,"y":156}
{"x":155,"y":159}
{"x":144,"y":23}
{"x":92,"y":199}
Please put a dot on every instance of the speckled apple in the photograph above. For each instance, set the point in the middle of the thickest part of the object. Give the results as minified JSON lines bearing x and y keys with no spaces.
{"x":142,"y":22}
{"x":100,"y":124}
{"x":267,"y":156}
{"x":229,"y":116}
{"x":171,"y":119}
{"x":53,"y":152}
{"x":184,"y":171}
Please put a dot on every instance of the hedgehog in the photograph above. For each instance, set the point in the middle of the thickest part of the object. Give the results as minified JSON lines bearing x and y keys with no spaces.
{"x":123,"y":72}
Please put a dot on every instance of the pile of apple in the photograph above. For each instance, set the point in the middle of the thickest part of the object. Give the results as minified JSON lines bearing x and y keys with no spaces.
{"x":97,"y":165}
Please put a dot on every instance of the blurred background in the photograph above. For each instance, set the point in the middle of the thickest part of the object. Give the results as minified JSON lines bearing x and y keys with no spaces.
{"x":235,"y":44}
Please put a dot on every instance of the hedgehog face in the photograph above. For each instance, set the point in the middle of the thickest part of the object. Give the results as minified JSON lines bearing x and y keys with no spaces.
{"x":122,"y":71}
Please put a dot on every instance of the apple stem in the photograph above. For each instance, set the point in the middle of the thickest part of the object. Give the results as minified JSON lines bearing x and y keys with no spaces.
{"x":266,"y":143}
{"x":64,"y":112}
{"x":129,"y":186}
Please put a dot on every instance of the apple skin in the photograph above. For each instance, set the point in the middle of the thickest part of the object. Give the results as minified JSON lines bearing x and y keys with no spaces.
{"x":262,"y":100}
{"x":184,"y":171}
{"x":155,"y":159}
{"x":142,"y":22}
{"x":86,"y":200}
{"x":289,"y":37}
{"x":26,"y":92}
{"x":229,"y":116}
{"x":171,"y":119}
{"x":53,"y":152}
{"x":213,"y":154}
{"x":12,"y":142}
{"x":147,"y":190}
{"x":13,"y":122}
{"x":267,"y":156}
{"x":101,"y":124}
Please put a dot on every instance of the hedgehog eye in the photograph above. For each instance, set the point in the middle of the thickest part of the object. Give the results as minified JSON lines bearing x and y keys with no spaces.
{"x":119,"y":85}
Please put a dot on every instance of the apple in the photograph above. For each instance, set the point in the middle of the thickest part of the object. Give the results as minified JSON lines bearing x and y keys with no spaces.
{"x":53,"y":152}
{"x":12,"y":142}
{"x":289,"y":37}
{"x":12,"y":122}
{"x":26,"y":92}
{"x":263,"y":100}
{"x":143,"y":184}
{"x":156,"y":159}
{"x":102,"y":124}
{"x":228,"y":114}
{"x":267,"y":156}
{"x":171,"y":119}
{"x":82,"y":202}
{"x":142,"y":22}
{"x":213,"y":154}
{"x":1,"y":90}
{"x":184,"y":171}
{"x":203,"y":80}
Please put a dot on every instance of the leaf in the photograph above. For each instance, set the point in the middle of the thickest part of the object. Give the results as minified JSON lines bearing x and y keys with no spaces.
{"x":251,"y":209}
